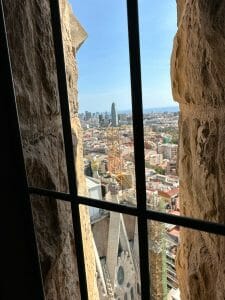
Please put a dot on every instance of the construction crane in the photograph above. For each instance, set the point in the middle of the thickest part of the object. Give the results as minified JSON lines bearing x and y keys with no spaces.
{"x":114,"y":151}
{"x":124,"y":180}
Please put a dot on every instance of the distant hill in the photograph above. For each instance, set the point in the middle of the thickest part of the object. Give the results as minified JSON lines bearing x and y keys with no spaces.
{"x":162,"y":109}
{"x":155,"y":110}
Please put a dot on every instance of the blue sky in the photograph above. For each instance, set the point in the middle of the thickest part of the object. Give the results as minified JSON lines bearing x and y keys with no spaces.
{"x":103,"y":60}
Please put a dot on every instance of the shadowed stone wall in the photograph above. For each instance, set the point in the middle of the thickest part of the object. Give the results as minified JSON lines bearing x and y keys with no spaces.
{"x":34,"y":71}
{"x":198,"y":82}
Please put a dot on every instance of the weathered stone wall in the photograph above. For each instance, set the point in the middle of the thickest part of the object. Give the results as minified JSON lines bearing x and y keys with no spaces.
{"x":34,"y":71}
{"x":198,"y":82}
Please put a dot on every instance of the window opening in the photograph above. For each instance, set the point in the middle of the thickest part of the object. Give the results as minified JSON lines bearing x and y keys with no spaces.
{"x":142,"y":214}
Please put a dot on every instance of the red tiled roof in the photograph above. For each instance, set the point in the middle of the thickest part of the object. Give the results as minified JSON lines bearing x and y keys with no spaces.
{"x":169,"y":193}
{"x":175,"y":232}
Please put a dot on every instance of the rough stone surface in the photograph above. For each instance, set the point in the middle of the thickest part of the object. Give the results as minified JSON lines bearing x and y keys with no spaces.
{"x":34,"y":71}
{"x":198,"y":82}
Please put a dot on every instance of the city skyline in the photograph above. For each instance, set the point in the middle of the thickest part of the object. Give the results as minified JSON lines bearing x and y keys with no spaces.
{"x":109,"y":167}
{"x":103,"y":59}
{"x":172,"y":108}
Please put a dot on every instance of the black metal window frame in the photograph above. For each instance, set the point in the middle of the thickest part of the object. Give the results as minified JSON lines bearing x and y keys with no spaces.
{"x":140,"y":211}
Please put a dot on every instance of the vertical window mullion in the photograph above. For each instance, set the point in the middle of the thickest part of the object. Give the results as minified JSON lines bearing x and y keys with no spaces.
{"x":136,"y":91}
{"x":67,"y":132}
{"x":30,"y":281}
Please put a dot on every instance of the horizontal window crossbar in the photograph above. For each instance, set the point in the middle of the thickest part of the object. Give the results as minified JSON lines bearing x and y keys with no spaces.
{"x":196,"y":224}
{"x":130,"y":210}
{"x":49,"y":193}
{"x":187,"y":222}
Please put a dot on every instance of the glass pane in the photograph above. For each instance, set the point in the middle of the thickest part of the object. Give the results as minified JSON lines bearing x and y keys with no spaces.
{"x":196,"y":192}
{"x":115,"y":244}
{"x":157,"y":28}
{"x":190,"y":149}
{"x":105,"y":101}
{"x":184,"y":263}
{"x":158,"y":24}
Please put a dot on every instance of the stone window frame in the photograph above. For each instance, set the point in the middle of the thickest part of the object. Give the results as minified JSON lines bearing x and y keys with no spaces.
{"x":140,"y":211}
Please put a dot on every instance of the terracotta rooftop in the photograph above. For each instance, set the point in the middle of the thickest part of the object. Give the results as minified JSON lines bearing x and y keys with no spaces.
{"x":169,"y":193}
{"x":175,"y":232}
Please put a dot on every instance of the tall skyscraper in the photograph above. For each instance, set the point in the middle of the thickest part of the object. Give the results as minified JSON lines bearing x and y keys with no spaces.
{"x":114,"y":115}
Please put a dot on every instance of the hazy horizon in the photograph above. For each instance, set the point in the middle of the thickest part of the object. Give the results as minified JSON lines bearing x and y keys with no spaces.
{"x":169,"y":108}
